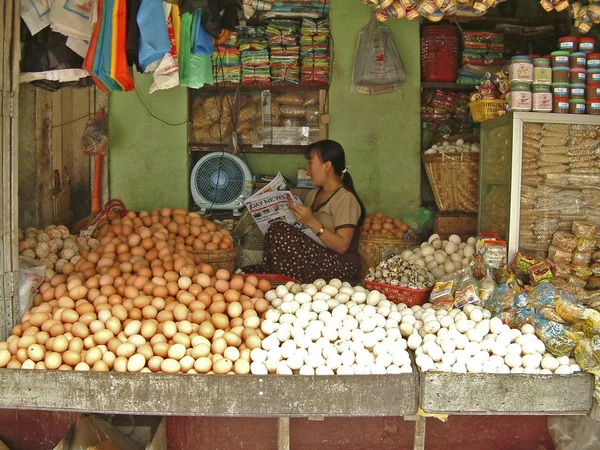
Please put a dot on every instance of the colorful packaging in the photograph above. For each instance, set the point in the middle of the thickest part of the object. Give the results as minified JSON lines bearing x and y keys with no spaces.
{"x":540,"y":272}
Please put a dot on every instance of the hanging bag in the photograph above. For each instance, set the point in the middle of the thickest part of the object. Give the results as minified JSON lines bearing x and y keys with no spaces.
{"x":377,"y":64}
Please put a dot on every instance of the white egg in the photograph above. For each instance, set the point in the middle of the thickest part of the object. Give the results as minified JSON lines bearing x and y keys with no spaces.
{"x":517,"y":369}
{"x":527,"y":329}
{"x":530,"y":362}
{"x":475,"y":366}
{"x":476,"y":315}
{"x":450,"y":248}
{"x":475,"y":335}
{"x":496,"y":325}
{"x":563,"y":370}
{"x":513,"y":360}
{"x":503,"y":368}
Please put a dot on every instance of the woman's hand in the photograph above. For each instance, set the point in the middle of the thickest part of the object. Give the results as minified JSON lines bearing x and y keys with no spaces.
{"x":302,"y":214}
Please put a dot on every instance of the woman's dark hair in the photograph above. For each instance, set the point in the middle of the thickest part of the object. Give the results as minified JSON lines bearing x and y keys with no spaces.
{"x":332,"y":151}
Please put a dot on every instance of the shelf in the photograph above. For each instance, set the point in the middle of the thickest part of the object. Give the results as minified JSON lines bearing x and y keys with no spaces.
{"x":280,"y":149}
{"x":448,"y":86}
{"x":279,"y":87}
{"x":209,"y":395}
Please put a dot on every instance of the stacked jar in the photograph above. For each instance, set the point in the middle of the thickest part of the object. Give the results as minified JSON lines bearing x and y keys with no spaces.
{"x":520,"y":77}
{"x":592,"y":79}
{"x":560,"y":79}
{"x":542,"y":81}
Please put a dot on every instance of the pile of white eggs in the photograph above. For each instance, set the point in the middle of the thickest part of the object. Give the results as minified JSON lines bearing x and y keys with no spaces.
{"x":442,"y":257}
{"x":471,"y":341}
{"x":460,"y":146}
{"x":330,"y":328}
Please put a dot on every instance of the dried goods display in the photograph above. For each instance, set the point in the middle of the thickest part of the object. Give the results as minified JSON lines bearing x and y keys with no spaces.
{"x":215,"y":117}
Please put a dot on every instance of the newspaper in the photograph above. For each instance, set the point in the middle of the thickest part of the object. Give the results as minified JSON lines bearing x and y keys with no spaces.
{"x":271,"y":204}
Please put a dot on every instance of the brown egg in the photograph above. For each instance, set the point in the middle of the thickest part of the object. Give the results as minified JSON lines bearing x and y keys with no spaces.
{"x":264,"y":285}
{"x":249,"y":289}
{"x":207,"y":329}
{"x":252,"y":280}
{"x":261,"y":305}
{"x":220,"y":321}
{"x":236,"y":283}
{"x":232,"y":295}
{"x":221,"y":286}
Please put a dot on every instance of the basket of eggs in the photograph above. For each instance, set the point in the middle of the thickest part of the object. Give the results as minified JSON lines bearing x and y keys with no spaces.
{"x":381,"y":235}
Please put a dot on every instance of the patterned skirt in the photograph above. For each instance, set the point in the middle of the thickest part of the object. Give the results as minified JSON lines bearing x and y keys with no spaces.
{"x":288,"y":251}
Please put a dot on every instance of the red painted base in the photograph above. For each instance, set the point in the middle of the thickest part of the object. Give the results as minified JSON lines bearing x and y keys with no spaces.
{"x":34,"y":430}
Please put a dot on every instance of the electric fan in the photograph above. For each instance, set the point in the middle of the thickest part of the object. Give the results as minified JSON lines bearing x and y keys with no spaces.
{"x":221,"y":181}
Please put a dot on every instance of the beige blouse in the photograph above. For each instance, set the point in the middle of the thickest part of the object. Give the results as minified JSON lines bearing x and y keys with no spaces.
{"x":341,"y":210}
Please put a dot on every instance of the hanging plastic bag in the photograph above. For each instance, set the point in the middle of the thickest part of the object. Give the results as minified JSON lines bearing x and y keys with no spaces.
{"x":202,"y":43}
{"x":102,"y":57}
{"x":73,"y":17}
{"x":377,"y":65}
{"x":154,"y":37}
{"x":88,"y":63}
{"x":194,"y":71}
{"x":35,"y":14}
{"x":166,"y":75}
{"x":120,"y":71}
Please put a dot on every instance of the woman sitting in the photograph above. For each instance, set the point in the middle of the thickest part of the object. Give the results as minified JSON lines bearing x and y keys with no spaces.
{"x":333,"y":212}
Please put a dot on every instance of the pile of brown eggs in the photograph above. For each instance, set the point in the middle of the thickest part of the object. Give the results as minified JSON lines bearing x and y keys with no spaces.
{"x":144,"y":301}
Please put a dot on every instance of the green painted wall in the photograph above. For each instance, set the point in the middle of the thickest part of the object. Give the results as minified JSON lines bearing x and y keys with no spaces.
{"x":148,"y":158}
{"x":381,"y":134}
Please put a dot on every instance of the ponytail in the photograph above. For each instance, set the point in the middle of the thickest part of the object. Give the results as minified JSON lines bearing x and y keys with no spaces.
{"x":349,"y":184}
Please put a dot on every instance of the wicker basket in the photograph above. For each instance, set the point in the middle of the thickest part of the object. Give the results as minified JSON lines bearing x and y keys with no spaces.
{"x":220,"y":259}
{"x":454,"y":180}
{"x":485,"y":109}
{"x":372,"y":249}
{"x":274,"y":278}
{"x":397,"y":294}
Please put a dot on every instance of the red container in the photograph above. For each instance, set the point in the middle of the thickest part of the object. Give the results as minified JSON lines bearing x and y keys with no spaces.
{"x":587,"y":44}
{"x":273,"y":278}
{"x":397,"y":294}
{"x":439,"y":53}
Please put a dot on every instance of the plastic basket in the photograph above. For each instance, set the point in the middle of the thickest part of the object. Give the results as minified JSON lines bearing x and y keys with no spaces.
{"x":485,"y":109}
{"x":439,"y":53}
{"x":274,"y":278}
{"x":397,"y":294}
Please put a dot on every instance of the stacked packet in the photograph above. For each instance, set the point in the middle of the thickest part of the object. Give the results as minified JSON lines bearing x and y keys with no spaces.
{"x":314,"y":51}
{"x":254,"y":50}
{"x":226,"y":62}
{"x":284,"y":49}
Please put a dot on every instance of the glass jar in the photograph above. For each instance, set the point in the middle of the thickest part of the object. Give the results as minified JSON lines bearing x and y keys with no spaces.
{"x":541,"y":98}
{"x":519,"y":98}
{"x":520,"y":69}
{"x":542,"y":72}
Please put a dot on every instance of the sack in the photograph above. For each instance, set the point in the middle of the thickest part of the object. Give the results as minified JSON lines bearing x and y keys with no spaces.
{"x":377,"y":64}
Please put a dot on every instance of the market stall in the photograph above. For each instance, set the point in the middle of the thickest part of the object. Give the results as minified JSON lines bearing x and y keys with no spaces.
{"x":143,"y":313}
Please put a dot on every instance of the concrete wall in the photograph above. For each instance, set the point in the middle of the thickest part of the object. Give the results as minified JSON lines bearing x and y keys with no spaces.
{"x":381,"y":134}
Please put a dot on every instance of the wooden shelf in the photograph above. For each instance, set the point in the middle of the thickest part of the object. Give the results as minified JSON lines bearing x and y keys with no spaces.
{"x":277,"y":87}
{"x":279,"y":149}
{"x":448,"y":86}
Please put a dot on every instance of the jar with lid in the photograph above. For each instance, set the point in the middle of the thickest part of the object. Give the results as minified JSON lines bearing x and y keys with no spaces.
{"x":578,"y":60}
{"x":560,"y":89}
{"x":587,"y":44}
{"x":520,"y":69}
{"x":577,"y":106}
{"x":568,"y":43}
{"x":541,"y":98}
{"x":560,"y":105}
{"x":542,"y":72}
{"x":560,"y":59}
{"x":519,"y":98}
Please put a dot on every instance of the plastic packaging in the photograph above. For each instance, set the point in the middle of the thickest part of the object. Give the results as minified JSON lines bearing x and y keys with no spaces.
{"x":467,"y":289}
{"x":564,"y":241}
{"x":559,"y":256}
{"x":581,"y":258}
{"x":585,"y":230}
{"x":574,"y":432}
{"x":586,"y":245}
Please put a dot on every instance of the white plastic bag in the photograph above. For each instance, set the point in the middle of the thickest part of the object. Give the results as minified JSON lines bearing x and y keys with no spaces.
{"x":74,"y":17}
{"x":31,"y":276}
{"x":574,"y":432}
{"x":377,"y":64}
{"x":35,"y":14}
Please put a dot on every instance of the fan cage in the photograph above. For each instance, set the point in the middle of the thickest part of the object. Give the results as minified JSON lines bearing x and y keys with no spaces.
{"x":220,"y":180}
